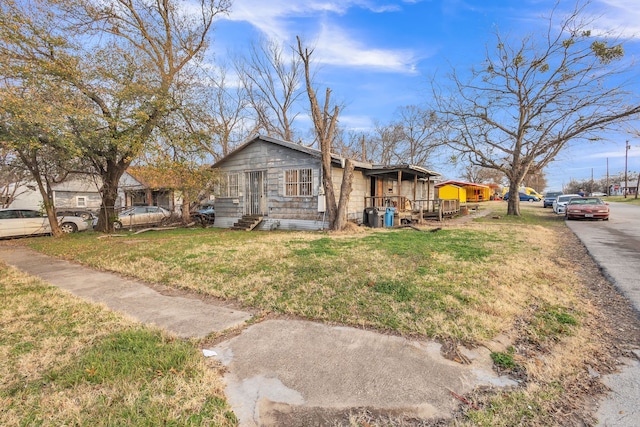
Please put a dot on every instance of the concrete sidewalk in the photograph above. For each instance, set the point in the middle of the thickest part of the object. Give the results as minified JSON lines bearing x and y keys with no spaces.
{"x":184,"y":317}
{"x":288,"y":372}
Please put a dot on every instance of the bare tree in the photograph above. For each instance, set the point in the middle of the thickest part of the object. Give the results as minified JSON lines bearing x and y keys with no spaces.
{"x":532,"y":97}
{"x":325,"y":119}
{"x":385,"y":142}
{"x":220,"y":112}
{"x":273,"y":82}
{"x":482,"y":175}
{"x":418,"y":127}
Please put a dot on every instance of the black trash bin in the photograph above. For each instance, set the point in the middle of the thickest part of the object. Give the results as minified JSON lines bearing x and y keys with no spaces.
{"x":368,"y":216}
{"x":378,"y":218}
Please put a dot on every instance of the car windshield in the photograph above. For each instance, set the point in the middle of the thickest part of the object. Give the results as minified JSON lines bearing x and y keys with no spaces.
{"x":552,"y":195}
{"x":565,"y":198}
{"x":586,"y":201}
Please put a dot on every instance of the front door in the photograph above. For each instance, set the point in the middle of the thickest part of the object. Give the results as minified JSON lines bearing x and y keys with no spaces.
{"x":377,"y":191}
{"x":255,"y":193}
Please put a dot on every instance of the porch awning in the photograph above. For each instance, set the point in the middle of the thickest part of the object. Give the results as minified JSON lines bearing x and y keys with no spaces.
{"x":409,"y":172}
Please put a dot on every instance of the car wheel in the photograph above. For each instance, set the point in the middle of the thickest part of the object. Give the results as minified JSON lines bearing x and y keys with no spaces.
{"x":117,"y":225}
{"x":68,"y":227}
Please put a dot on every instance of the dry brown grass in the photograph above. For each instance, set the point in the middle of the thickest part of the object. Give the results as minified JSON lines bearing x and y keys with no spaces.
{"x":467,"y":283}
{"x":47,"y":332}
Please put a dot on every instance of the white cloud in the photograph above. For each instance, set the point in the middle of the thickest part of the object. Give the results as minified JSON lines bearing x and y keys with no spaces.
{"x":634,"y":151}
{"x":620,"y":16}
{"x":361,"y":123}
{"x":334,"y":45}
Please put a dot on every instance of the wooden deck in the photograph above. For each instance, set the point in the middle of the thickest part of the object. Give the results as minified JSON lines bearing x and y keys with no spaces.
{"x":415,"y":211}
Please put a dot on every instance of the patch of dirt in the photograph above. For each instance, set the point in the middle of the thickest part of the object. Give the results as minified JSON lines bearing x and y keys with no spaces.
{"x":615,"y":327}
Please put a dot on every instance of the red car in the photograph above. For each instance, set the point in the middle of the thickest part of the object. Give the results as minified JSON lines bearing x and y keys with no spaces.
{"x":587,"y":208}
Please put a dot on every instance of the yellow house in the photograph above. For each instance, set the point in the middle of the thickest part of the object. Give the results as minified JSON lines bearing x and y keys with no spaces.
{"x":449,"y":191}
{"x":464,"y":191}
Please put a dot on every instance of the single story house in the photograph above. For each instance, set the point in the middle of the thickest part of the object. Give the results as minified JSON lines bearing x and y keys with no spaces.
{"x":281,"y":183}
{"x":464,"y":191}
{"x":448,"y":190}
{"x":137,"y":187}
{"x":82,"y":193}
{"x":77,"y":192}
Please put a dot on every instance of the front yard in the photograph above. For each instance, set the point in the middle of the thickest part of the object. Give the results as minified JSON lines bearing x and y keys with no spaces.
{"x":458,"y":284}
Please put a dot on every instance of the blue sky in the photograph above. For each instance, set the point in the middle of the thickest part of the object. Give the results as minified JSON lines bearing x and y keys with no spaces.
{"x":378,"y":55}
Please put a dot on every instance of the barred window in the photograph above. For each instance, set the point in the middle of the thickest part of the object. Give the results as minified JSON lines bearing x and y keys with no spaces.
{"x":229,"y":185}
{"x":298,"y":182}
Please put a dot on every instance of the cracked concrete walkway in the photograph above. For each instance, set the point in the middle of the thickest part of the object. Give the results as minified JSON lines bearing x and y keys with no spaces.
{"x":184,"y":317}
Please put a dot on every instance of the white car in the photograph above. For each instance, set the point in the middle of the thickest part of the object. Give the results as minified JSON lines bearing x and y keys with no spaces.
{"x":30,"y":222}
{"x":560,"y":203}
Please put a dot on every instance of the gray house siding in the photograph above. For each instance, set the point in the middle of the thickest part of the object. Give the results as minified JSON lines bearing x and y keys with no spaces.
{"x":271,"y":161}
{"x":281,"y":182}
{"x":74,"y":200}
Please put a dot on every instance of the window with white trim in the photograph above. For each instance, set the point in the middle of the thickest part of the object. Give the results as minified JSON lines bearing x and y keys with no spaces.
{"x":81,"y":202}
{"x":229,"y":185}
{"x":298,"y":182}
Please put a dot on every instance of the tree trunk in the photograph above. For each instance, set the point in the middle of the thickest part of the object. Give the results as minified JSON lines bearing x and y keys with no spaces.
{"x":513,"y":204}
{"x":186,"y":208}
{"x":49,"y":208}
{"x":345,"y":192}
{"x":109,"y":192}
{"x":329,"y":193}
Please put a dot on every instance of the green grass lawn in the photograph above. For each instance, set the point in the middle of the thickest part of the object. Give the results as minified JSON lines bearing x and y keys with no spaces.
{"x":621,"y":199}
{"x":468,"y":283}
{"x":66,"y":362}
{"x":463,"y":283}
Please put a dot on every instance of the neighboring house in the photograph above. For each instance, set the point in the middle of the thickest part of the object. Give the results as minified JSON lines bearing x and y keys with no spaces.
{"x":448,"y":190}
{"x":137,"y":188}
{"x":619,"y":189}
{"x":77,"y":192}
{"x":464,"y":191}
{"x":281,"y":183}
{"x":81,"y":192}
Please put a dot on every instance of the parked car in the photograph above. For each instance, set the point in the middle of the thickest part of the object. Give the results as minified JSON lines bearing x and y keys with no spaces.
{"x":587,"y":208}
{"x":523,"y":197}
{"x":561,"y":202}
{"x":550,"y":197}
{"x":206,"y":215}
{"x":598,"y":194}
{"x":86,"y":215}
{"x":138,"y":216}
{"x":30,"y":222}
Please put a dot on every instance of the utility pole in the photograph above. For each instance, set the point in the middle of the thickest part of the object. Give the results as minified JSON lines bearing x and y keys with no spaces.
{"x":626,"y":158}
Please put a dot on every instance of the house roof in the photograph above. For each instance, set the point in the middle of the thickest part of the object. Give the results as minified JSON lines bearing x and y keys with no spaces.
{"x":461,"y":184}
{"x":406,"y":169}
{"x":369,"y":168}
{"x":291,"y":145}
